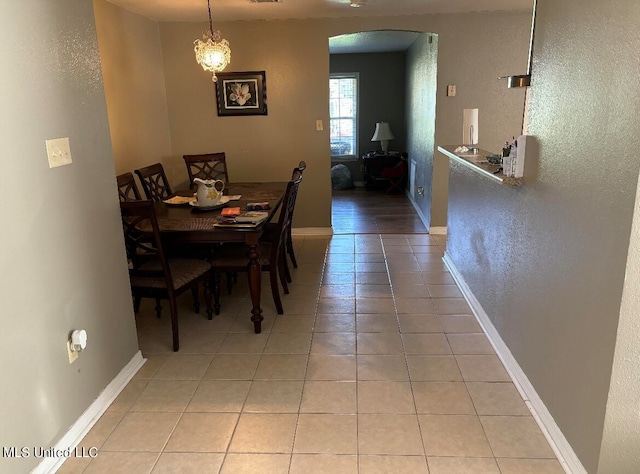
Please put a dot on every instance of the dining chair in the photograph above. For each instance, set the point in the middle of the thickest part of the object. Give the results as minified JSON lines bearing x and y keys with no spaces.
{"x":233,"y":257}
{"x":289,"y":243}
{"x":271,"y":233}
{"x":210,"y":166}
{"x":207,"y":166}
{"x":154,"y":182}
{"x":151,"y":273}
{"x":127,"y":189}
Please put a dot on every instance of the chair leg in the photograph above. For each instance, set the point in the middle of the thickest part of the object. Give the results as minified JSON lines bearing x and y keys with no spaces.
{"x":287,"y":273}
{"x":273,"y":278}
{"x":158,"y":308}
{"x":174,"y":323}
{"x":282,"y":263}
{"x":216,"y":292}
{"x":230,"y":282}
{"x":196,"y":298}
{"x":207,"y":298}
{"x":290,"y":251}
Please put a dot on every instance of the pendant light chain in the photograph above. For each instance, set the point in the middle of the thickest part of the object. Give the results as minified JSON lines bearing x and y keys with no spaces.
{"x":212,"y":52}
{"x":210,"y":20}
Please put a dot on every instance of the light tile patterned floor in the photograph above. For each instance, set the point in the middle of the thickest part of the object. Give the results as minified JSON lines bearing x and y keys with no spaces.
{"x":377,"y":366}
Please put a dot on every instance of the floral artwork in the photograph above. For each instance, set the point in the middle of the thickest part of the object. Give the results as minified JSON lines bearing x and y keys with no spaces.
{"x":241,"y":93}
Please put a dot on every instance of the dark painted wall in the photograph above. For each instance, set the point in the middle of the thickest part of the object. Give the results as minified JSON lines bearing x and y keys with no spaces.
{"x":382,"y":98}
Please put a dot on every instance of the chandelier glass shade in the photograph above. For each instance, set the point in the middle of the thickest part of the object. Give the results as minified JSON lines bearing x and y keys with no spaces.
{"x":212,"y":52}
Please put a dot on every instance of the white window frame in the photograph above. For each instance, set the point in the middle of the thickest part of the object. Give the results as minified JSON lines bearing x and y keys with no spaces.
{"x":354,"y":155}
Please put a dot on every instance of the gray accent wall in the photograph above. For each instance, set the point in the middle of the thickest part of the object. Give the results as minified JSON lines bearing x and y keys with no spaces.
{"x":381,"y":95}
{"x":63,"y":260}
{"x":421,"y":119}
{"x":547,"y":261}
{"x":381,"y":98}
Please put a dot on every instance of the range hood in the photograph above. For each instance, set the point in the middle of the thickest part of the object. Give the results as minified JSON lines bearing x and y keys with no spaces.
{"x":525,"y":80}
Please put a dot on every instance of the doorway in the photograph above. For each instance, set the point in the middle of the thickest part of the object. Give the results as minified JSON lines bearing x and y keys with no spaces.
{"x":382,"y":63}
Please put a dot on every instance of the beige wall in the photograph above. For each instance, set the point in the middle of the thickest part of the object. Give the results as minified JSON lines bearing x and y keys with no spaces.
{"x":62,"y":258}
{"x":294,"y":54}
{"x":621,"y":437}
{"x":134,"y":87}
{"x":258,"y":148}
{"x":547,"y":261}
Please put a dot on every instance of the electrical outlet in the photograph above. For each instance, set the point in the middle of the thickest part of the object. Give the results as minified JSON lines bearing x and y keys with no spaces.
{"x":451,"y":90}
{"x":58,"y":152}
{"x":73,"y":355}
{"x":319,"y":126}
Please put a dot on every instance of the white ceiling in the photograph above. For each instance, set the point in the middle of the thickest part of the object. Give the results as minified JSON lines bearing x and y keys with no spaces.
{"x":386,"y":41}
{"x":230,"y":10}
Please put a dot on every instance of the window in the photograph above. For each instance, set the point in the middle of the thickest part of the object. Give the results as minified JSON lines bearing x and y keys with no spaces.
{"x":343,"y":114}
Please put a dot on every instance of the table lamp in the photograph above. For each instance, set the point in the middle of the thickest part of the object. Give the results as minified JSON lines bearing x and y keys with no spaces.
{"x":383,"y":135}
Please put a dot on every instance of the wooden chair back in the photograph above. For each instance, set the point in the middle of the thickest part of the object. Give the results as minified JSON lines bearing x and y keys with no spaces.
{"x":142,"y":240}
{"x":154,"y":182}
{"x":127,"y":188}
{"x":286,"y":211}
{"x":207,"y":166}
{"x":301,"y":167}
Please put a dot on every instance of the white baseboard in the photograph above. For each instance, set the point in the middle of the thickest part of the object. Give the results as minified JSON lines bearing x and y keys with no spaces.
{"x":561,"y":447}
{"x":438,"y":230}
{"x":418,"y":210}
{"x":311,"y":231}
{"x":91,"y":415}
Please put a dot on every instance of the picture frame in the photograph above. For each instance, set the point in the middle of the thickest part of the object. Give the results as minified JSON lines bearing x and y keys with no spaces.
{"x":241,"y":93}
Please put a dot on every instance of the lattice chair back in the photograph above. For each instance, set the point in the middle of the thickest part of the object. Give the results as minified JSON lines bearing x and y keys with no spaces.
{"x":154,"y":182}
{"x":142,"y":240}
{"x":207,"y":166}
{"x":127,"y":189}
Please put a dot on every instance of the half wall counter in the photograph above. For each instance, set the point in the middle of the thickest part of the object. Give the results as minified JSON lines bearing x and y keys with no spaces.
{"x":476,"y":159}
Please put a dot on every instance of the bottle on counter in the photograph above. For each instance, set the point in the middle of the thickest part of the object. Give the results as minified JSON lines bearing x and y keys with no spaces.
{"x":506,"y":158}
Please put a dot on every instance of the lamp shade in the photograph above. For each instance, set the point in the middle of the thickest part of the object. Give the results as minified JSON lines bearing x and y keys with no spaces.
{"x":382,"y":133}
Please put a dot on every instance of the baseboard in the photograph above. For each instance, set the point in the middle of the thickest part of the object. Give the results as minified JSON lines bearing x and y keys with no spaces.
{"x":311,"y":231}
{"x":418,"y":210}
{"x":438,"y":230}
{"x":561,"y":447}
{"x":91,"y":415}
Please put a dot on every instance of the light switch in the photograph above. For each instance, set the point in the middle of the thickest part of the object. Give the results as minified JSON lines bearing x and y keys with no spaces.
{"x":451,"y":90}
{"x":58,"y":152}
{"x":319,"y":126}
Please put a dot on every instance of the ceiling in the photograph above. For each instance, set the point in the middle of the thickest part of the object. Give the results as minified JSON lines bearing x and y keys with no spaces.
{"x":386,"y":41}
{"x":231,"y":10}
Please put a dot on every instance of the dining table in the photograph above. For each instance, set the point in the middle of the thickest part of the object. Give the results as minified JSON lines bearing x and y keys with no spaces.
{"x":188,"y":224}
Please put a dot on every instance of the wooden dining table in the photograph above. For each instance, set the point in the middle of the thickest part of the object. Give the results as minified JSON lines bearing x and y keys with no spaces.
{"x":184,"y":224}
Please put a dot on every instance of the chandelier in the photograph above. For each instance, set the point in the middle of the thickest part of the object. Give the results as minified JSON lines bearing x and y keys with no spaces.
{"x":212,"y":52}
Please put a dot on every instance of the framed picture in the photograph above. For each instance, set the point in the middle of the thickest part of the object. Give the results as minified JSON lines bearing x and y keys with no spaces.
{"x":241,"y":93}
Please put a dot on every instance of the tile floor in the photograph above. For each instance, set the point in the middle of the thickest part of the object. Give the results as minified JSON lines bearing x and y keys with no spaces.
{"x":377,"y":366}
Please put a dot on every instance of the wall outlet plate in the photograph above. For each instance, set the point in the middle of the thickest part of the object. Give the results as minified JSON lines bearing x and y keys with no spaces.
{"x":73,"y":355}
{"x":451,"y":90}
{"x":58,"y":152}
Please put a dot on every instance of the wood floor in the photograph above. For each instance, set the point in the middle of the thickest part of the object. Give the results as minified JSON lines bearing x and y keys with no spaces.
{"x":357,"y":211}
